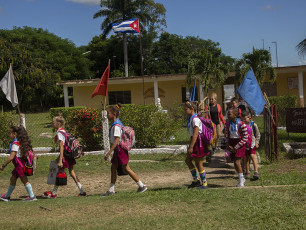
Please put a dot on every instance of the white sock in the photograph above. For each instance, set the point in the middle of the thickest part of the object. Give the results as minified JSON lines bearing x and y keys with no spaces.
{"x":80,"y":187}
{"x":112,"y":188}
{"x":241,"y":178}
{"x":140,"y":184}
{"x":54,"y":190}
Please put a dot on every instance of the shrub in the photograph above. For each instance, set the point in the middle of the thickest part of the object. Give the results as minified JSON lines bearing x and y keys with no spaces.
{"x":150,"y":125}
{"x":177,"y":113}
{"x":7,"y":120}
{"x":84,"y":123}
{"x":283,"y":102}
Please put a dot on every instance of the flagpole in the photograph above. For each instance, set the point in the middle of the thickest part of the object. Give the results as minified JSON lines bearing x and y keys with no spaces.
{"x":141,"y":66}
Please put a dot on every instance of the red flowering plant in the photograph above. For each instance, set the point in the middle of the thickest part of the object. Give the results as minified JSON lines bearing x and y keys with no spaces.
{"x":86,"y":125}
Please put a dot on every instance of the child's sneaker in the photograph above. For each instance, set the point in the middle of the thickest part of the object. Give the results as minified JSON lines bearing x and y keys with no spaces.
{"x":49,"y":194}
{"x":5,"y":198}
{"x":202,"y":187}
{"x":108,"y":193}
{"x":247,"y":175}
{"x":256,"y":176}
{"x":142,"y":189}
{"x":30,"y":199}
{"x":82,"y":194}
{"x":195,"y":184}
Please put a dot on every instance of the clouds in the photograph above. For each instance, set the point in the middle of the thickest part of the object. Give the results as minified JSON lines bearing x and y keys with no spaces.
{"x":303,"y":62}
{"x":270,"y":7}
{"x":86,"y":2}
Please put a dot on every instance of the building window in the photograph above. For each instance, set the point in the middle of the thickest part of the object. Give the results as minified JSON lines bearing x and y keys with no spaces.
{"x":186,"y":95}
{"x":123,"y":97}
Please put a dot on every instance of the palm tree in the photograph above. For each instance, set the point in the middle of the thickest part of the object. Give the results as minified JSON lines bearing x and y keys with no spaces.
{"x":301,"y":48}
{"x":115,"y":11}
{"x":260,"y":61}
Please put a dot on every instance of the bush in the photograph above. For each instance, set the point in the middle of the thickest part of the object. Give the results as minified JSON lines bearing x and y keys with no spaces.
{"x":7,"y":120}
{"x":177,"y":113}
{"x":283,"y":102}
{"x":150,"y":125}
{"x":84,"y":123}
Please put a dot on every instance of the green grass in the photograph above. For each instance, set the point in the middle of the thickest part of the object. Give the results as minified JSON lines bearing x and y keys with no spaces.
{"x":168,"y":208}
{"x":36,"y":124}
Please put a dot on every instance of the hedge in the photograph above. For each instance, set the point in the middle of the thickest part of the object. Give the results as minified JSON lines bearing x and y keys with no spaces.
{"x":151,"y":126}
{"x":283,"y":102}
{"x":7,"y":120}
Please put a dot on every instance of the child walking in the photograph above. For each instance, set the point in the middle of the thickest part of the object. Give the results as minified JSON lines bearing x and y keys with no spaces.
{"x":121,"y":156}
{"x":197,"y":150}
{"x":18,"y":150}
{"x":251,"y":152}
{"x":59,"y":124}
{"x":236,"y":139}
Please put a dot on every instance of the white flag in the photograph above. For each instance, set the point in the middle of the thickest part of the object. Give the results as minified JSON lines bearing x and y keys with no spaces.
{"x":9,"y":88}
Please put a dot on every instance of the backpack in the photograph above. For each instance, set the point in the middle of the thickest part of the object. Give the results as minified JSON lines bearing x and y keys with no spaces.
{"x":72,"y":147}
{"x":209,"y":134}
{"x":127,"y":137}
{"x":30,"y":165}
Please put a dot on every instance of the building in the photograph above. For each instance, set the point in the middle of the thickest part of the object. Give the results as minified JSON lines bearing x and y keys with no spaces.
{"x":172,"y":89}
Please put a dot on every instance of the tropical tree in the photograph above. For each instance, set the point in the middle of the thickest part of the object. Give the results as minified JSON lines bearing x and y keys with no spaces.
{"x":39,"y":60}
{"x":301,"y":48}
{"x":150,"y":14}
{"x":260,"y":61}
{"x":209,"y":63}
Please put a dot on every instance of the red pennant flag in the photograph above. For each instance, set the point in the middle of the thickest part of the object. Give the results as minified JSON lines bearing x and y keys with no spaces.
{"x":101,"y":88}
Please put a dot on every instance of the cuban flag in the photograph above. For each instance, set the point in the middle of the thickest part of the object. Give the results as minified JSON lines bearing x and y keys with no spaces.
{"x":128,"y":26}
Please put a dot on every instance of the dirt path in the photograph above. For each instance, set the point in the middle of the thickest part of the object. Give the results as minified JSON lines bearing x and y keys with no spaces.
{"x":219,"y":174}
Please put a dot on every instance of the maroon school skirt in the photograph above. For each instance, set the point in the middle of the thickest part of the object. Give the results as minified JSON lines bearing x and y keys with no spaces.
{"x":67,"y":163}
{"x":19,"y":165}
{"x":240,"y":152}
{"x":120,"y":156}
{"x":199,"y":149}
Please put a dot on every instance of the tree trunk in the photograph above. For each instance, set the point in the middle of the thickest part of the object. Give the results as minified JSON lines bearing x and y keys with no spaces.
{"x":126,"y":66}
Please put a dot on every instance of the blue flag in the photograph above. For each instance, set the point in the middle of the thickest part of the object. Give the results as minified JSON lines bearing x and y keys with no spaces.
{"x":128,"y":26}
{"x":193,"y":93}
{"x":250,"y":91}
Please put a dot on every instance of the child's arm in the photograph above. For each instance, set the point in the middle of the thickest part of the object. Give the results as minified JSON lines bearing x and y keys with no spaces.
{"x":11,"y":157}
{"x":257,"y":138}
{"x":60,"y":160}
{"x":244,"y":136}
{"x":193,"y":139}
{"x":114,"y":145}
{"x":221,"y":118}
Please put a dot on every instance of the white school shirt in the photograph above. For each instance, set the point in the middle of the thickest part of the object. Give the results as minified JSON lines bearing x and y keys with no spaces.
{"x":116,"y":131}
{"x":16,"y":148}
{"x":235,"y":134}
{"x":195,"y":122}
{"x":60,"y":136}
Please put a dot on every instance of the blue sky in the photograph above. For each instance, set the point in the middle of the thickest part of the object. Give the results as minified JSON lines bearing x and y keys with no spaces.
{"x":237,"y":25}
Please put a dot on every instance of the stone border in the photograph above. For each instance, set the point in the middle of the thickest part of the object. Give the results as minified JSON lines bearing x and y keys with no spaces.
{"x":289,"y":149}
{"x":168,"y":149}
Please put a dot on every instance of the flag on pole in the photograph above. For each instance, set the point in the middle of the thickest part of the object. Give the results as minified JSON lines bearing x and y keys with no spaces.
{"x":101,"y":88}
{"x":250,"y":91}
{"x":9,"y":88}
{"x":128,"y":26}
{"x":193,"y":93}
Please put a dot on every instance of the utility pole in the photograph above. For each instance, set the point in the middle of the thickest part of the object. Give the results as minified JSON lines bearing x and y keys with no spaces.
{"x":276,"y":53}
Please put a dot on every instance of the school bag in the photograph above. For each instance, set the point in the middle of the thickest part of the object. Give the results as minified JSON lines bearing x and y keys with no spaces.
{"x":239,"y":124}
{"x":30,"y":164}
{"x":208,"y":135}
{"x":127,"y":137}
{"x":72,"y":147}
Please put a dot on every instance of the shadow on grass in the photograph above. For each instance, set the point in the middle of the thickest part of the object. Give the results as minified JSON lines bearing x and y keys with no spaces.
{"x":165,"y":189}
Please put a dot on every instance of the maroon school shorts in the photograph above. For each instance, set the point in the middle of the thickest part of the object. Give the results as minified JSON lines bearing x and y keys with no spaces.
{"x":120,"y":156}
{"x":240,"y":152}
{"x":200,"y":150}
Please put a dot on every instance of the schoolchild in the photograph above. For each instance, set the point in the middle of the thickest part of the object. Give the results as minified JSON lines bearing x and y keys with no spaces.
{"x":236,"y":139}
{"x":62,"y":161}
{"x":197,"y":150}
{"x":19,"y":149}
{"x":251,"y":152}
{"x":121,"y":156}
{"x":235,"y":104}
